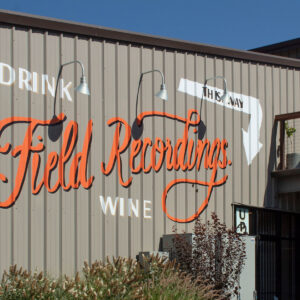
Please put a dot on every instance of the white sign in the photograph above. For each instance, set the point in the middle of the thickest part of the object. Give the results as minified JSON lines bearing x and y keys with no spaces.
{"x":127,"y":208}
{"x":239,"y":102}
{"x":242,"y":220}
{"x":32,"y":81}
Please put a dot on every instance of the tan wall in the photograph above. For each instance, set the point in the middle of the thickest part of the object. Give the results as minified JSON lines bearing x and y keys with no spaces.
{"x":58,"y":231}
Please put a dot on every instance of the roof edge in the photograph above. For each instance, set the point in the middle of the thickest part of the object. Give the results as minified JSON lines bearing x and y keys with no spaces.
{"x":278,"y":46}
{"x":52,"y":24}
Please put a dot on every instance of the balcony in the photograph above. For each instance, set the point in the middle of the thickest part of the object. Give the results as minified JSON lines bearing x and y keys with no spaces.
{"x":289,"y":143}
{"x":288,"y":153}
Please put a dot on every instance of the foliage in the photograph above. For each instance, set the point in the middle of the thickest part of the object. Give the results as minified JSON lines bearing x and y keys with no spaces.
{"x":216,"y":255}
{"x":167,"y":281}
{"x":20,"y":284}
{"x":289,"y":130}
{"x":120,"y":278}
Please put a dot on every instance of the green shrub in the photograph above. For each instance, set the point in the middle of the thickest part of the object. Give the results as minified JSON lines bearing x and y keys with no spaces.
{"x":171,"y":283}
{"x":20,"y":284}
{"x":120,"y":278}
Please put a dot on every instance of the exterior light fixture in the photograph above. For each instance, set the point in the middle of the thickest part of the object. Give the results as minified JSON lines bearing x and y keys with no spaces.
{"x":55,"y":130}
{"x":223,"y":98}
{"x":83,"y":86}
{"x":225,"y":95}
{"x":162,"y":94}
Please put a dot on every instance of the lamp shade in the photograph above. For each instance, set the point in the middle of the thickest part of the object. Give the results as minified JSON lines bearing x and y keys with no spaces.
{"x":224,"y":97}
{"x":162,"y":94}
{"x":83,"y":87}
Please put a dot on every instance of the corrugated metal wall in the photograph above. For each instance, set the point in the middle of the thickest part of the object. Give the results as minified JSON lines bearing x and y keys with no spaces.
{"x":58,"y":231}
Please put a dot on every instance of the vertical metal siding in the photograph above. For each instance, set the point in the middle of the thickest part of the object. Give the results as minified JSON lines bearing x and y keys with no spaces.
{"x":58,"y":231}
{"x":6,"y":217}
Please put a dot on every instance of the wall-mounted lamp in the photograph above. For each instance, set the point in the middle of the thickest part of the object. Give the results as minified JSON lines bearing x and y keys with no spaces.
{"x":223,"y":98}
{"x":54,"y":131}
{"x":137,"y":126}
{"x":225,"y":95}
{"x":162,"y":94}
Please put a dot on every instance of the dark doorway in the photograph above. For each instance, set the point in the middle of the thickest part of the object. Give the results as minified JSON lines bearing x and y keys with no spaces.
{"x":277,"y":255}
{"x":277,"y":252}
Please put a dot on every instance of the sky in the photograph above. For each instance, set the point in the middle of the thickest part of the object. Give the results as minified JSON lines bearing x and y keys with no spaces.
{"x":239,"y":24}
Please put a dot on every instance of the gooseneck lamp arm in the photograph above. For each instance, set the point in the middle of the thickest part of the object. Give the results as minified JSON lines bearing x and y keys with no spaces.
{"x":225,"y":85}
{"x":162,"y":88}
{"x":59,"y":75}
{"x":137,"y":95}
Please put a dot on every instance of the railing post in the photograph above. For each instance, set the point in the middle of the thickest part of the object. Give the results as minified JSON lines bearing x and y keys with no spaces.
{"x":281,"y":149}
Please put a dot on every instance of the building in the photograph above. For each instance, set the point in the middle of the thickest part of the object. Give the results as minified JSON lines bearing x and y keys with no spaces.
{"x":290,"y":48}
{"x":125,"y":169}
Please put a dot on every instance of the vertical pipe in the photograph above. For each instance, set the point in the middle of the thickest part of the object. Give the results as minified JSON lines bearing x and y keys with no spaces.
{"x":281,"y":149}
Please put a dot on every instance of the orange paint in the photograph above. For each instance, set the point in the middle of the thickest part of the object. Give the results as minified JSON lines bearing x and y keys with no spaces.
{"x":135,"y":149}
{"x":160,"y":149}
{"x":117,"y":150}
{"x":23,"y":151}
{"x":70,"y":137}
{"x":211,"y":184}
{"x":185,"y":155}
{"x":27,"y":148}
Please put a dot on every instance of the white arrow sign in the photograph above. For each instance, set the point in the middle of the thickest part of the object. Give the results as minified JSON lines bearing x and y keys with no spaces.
{"x":239,"y":102}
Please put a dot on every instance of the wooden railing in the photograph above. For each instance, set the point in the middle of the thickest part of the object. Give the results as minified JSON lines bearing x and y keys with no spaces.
{"x":282,"y":120}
